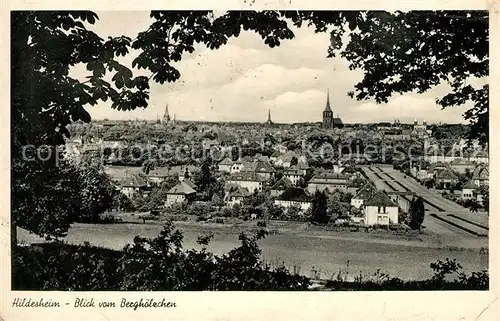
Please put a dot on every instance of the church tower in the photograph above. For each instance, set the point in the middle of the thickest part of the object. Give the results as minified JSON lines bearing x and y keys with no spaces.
{"x":328,"y":113}
{"x":166,"y":116}
{"x":269,"y":121}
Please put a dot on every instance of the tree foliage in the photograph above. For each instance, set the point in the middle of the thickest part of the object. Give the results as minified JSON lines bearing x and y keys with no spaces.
{"x":416,"y":212}
{"x":319,"y":209}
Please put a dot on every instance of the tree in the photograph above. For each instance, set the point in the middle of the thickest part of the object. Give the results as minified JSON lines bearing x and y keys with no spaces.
{"x":319,"y":209}
{"x":147,"y":166}
{"x":416,"y":213}
{"x":44,"y":197}
{"x":474,"y":206}
{"x":96,"y":193}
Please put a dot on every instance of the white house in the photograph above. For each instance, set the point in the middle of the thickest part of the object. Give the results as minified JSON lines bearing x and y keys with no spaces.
{"x":158,"y":175}
{"x":379,"y":209}
{"x":264,"y":169}
{"x":248,"y":180}
{"x":180,"y":193}
{"x":469,"y":189}
{"x":294,"y":174}
{"x":327,"y":181}
{"x":133,"y":184}
{"x":236,"y":167}
{"x":294,"y":197}
{"x":401,"y":198}
{"x":236,"y":195}
{"x":225,"y":165}
{"x":481,"y":175}
{"x":446,"y":179}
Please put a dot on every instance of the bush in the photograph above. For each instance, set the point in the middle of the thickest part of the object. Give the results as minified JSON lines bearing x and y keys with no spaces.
{"x":109,"y":218}
{"x":156,"y":264}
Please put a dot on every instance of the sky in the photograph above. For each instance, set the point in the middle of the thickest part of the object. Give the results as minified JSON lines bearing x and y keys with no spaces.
{"x":244,"y":79}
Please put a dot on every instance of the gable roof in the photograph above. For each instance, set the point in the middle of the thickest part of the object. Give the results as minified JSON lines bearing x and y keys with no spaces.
{"x":446,"y":174}
{"x":276,"y":154}
{"x":182,"y":188}
{"x":282,"y":184}
{"x":189,"y":183}
{"x":226,"y":161}
{"x":238,"y":191}
{"x":470,"y":185}
{"x":248,"y":166}
{"x":264,"y":167}
{"x":379,"y":199}
{"x":480,"y":172}
{"x":295,"y":194}
{"x":365,"y":192}
{"x":301,"y":164}
{"x":329,"y":175}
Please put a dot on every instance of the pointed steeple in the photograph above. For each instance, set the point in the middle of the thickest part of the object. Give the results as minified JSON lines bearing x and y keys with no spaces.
{"x":269,"y":121}
{"x":166,"y":116}
{"x":327,"y":108}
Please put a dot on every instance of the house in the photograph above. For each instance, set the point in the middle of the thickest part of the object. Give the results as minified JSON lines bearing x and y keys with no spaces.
{"x":469,"y":190}
{"x":481,"y":175}
{"x":403,"y":199}
{"x":327,"y":181}
{"x":158,"y":175}
{"x":225,"y":165}
{"x":182,"y":192}
{"x":236,"y":167}
{"x":236,"y":195}
{"x":294,"y":196}
{"x":133,"y":184}
{"x":364,"y":193}
{"x":280,"y":186}
{"x":380,"y":209}
{"x":264,"y":169}
{"x":285,"y":160}
{"x":446,"y":179}
{"x":437,"y":167}
{"x":248,"y":180}
{"x":294,"y":174}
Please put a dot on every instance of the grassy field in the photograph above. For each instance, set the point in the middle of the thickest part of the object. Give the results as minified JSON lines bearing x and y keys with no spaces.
{"x":299,"y":248}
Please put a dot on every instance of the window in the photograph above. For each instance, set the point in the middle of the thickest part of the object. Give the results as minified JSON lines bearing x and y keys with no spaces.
{"x":378,"y":209}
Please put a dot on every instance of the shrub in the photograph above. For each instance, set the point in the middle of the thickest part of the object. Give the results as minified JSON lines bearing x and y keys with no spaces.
{"x":109,"y":218}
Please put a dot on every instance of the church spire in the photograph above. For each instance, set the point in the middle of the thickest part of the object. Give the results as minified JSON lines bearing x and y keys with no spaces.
{"x":166,"y":116}
{"x":327,"y":108}
{"x":269,"y":121}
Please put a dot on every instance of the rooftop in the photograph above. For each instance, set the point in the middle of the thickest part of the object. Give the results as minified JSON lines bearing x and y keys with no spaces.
{"x":379,"y":199}
{"x":295,"y":194}
{"x":182,"y":188}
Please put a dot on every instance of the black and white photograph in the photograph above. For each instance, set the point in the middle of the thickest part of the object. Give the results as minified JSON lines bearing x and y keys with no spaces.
{"x":249,"y":150}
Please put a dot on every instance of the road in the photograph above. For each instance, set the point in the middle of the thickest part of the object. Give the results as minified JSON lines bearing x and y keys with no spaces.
{"x":443,"y":216}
